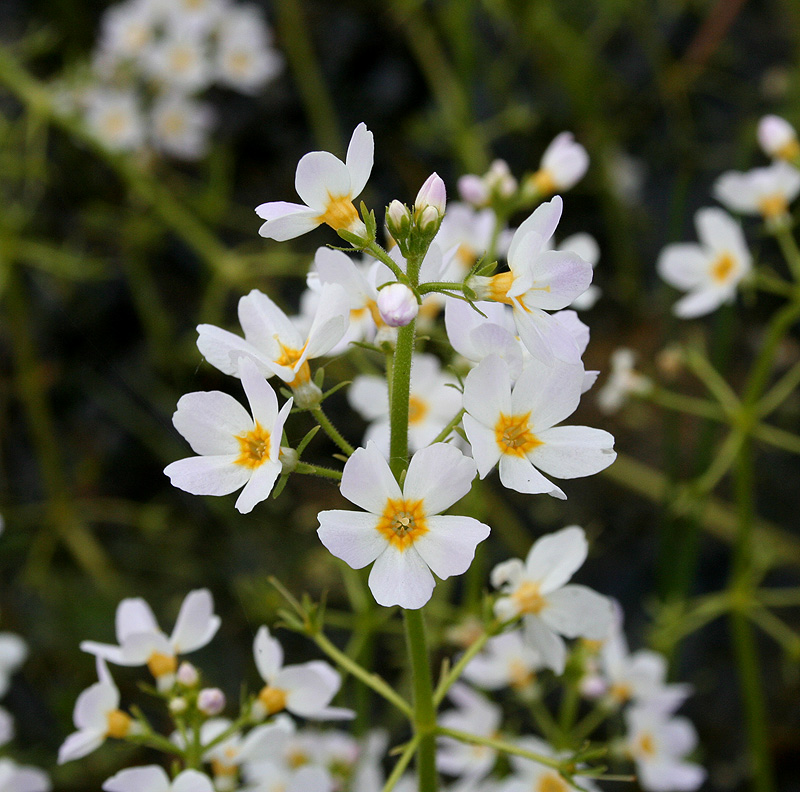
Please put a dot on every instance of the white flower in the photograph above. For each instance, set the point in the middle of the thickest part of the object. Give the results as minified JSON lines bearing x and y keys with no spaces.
{"x":273,"y":341}
{"x":778,"y":138}
{"x":536,"y":591}
{"x":506,"y":661}
{"x":710,"y":271}
{"x":282,"y":779}
{"x":432,"y":403}
{"x":622,"y":381}
{"x":402,"y":531}
{"x":657,"y":742}
{"x":197,"y":17}
{"x":539,"y":280}
{"x":305,"y":689}
{"x":141,"y":641}
{"x":563,"y":165}
{"x":530,"y":776}
{"x":328,"y":186}
{"x":153,"y":778}
{"x":470,"y":232}
{"x":18,"y":778}
{"x":180,"y":126}
{"x":477,"y":715}
{"x":517,"y":426}
{"x":245,"y":59}
{"x":235,"y":450}
{"x":585,"y":245}
{"x":127,"y":29}
{"x":13,"y":652}
{"x":765,"y":191}
{"x":97,"y":716}
{"x":497,"y":181}
{"x":179,"y":61}
{"x":115,"y":119}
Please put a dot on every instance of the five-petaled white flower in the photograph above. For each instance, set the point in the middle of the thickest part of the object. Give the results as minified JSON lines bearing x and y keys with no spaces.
{"x":517,"y":426}
{"x":535,"y":589}
{"x":765,"y":191}
{"x":328,"y":186}
{"x":710,"y":271}
{"x":235,"y":448}
{"x":778,"y":138}
{"x":563,"y":165}
{"x":141,"y":641}
{"x":506,"y":661}
{"x":153,"y":778}
{"x":403,"y":531}
{"x":530,"y":776}
{"x":539,"y":280}
{"x":305,"y":689}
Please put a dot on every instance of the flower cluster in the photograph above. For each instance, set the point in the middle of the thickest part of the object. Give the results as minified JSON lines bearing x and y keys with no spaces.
{"x":152,"y":62}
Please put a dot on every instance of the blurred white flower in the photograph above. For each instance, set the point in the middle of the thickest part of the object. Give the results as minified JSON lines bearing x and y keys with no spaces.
{"x":13,"y":653}
{"x":506,"y":661}
{"x":180,"y":126}
{"x":622,"y":381}
{"x":115,"y":118}
{"x":153,"y":778}
{"x":778,"y":138}
{"x":20,"y":778}
{"x":761,"y":191}
{"x":563,"y":165}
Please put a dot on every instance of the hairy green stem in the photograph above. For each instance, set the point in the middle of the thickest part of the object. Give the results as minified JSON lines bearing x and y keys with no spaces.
{"x":331,"y":430}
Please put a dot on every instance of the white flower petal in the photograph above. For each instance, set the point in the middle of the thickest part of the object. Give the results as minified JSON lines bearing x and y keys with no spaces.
{"x":210,"y":421}
{"x":368,"y":395}
{"x":519,"y":474}
{"x":549,"y":394}
{"x":439,"y":475}
{"x":307,"y":691}
{"x":401,"y":578}
{"x":487,"y":391}
{"x":268,"y":654}
{"x":547,"y":643}
{"x":351,"y":536}
{"x":189,"y":781}
{"x":262,"y":399}
{"x":321,"y":176}
{"x":554,"y":558}
{"x":367,"y":480}
{"x":558,"y":278}
{"x":266,"y":326}
{"x":360,"y":155}
{"x":545,"y":337}
{"x":259,"y":486}
{"x":683,"y":265}
{"x":208,"y":475}
{"x":80,"y":744}
{"x":510,"y":572}
{"x":543,"y":221}
{"x":577,"y":611}
{"x":295,"y":221}
{"x":573,"y":451}
{"x":701,"y":302}
{"x":93,"y":704}
{"x":483,"y":440}
{"x":449,"y":545}
{"x":330,"y":322}
{"x":151,"y":778}
{"x":196,"y":624}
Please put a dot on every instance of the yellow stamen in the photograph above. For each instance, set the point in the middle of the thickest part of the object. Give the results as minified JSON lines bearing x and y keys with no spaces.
{"x":161,"y":664}
{"x":181,"y":59}
{"x":550,"y":782}
{"x":519,"y":676}
{"x":620,"y":692}
{"x":773,"y":206}
{"x":722,"y":267}
{"x":499,"y":286}
{"x":528,"y":598}
{"x":289,"y":358}
{"x":789,"y":151}
{"x":273,"y":699}
{"x":466,"y":256}
{"x":513,"y":435}
{"x":417,"y":409}
{"x":403,"y":522}
{"x":239,"y":62}
{"x":254,"y":447}
{"x":339,"y":212}
{"x":297,"y":758}
{"x":115,"y":124}
{"x":544,"y":182}
{"x":220,"y":769}
{"x":119,"y":724}
{"x":647,"y":745}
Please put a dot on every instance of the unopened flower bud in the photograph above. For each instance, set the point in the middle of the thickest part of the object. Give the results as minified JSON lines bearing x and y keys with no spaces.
{"x":178,"y":705}
{"x":472,"y":189}
{"x":499,"y":179}
{"x":431,"y":194}
{"x":288,"y":459}
{"x":397,"y":305}
{"x":187,"y":675}
{"x":429,"y":220}
{"x":777,"y":137}
{"x":398,"y":220}
{"x":211,"y":701}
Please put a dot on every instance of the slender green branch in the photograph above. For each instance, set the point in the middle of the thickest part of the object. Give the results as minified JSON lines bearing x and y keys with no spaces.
{"x":779,"y":392}
{"x":399,"y":399}
{"x":438,"y":286}
{"x":315,"y":470}
{"x":402,"y":763}
{"x":590,"y":722}
{"x":721,"y":464}
{"x":777,"y":437}
{"x":331,"y":430}
{"x":788,"y":245}
{"x":689,"y":405}
{"x":779,"y":598}
{"x":774,"y":285}
{"x":449,"y":679}
{"x":381,"y":255}
{"x":503,"y":747}
{"x":712,"y":379}
{"x":448,"y":430}
{"x":788,"y":638}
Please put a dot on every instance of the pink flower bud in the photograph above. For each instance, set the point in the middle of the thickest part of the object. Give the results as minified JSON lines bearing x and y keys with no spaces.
{"x":397,"y":305}
{"x":187,"y":675}
{"x":211,"y":701}
{"x":431,"y":194}
{"x":472,"y":190}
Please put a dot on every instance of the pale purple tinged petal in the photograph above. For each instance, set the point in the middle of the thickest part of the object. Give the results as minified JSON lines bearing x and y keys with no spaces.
{"x":558,"y":277}
{"x":196,"y":624}
{"x":401,"y":578}
{"x":573,"y":451}
{"x":321,"y":176}
{"x":543,"y":221}
{"x":211,"y":421}
{"x":487,"y":391}
{"x":367,"y":480}
{"x":439,"y":475}
{"x":290,"y":226}
{"x":360,"y":156}
{"x":545,"y":337}
{"x":577,"y":611}
{"x":208,"y":475}
{"x":449,"y":545}
{"x":351,"y":536}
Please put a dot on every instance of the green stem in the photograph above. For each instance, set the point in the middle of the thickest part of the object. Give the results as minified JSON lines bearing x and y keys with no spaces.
{"x":331,"y":430}
{"x":438,"y":286}
{"x":398,"y":402}
{"x":778,"y":438}
{"x":448,"y":430}
{"x":590,"y":722}
{"x":779,"y":392}
{"x":503,"y":747}
{"x":381,"y":255}
{"x":402,"y":764}
{"x":316,"y":470}
{"x":689,"y":405}
{"x":457,"y":670}
{"x":788,"y":245}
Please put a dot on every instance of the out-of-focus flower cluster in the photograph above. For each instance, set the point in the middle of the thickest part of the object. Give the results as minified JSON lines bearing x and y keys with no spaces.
{"x":153,"y":62}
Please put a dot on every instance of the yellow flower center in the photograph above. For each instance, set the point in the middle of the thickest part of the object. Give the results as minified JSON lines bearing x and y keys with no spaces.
{"x":550,"y":782}
{"x":499,"y":285}
{"x":289,"y":358}
{"x":528,"y":598}
{"x":620,"y":692}
{"x":181,"y":59}
{"x":722,"y":267}
{"x":239,"y":62}
{"x":513,"y":434}
{"x":646,"y":744}
{"x":297,"y":758}
{"x":519,"y":676}
{"x":119,"y":724}
{"x":174,"y":124}
{"x":339,"y":212}
{"x":222,"y":769}
{"x":789,"y":151}
{"x":773,"y":206}
{"x":273,"y":699}
{"x":403,"y":522}
{"x":115,"y":124}
{"x":544,"y":182}
{"x":417,"y":409}
{"x":161,"y":664}
{"x":254,"y":447}
{"x":466,"y":256}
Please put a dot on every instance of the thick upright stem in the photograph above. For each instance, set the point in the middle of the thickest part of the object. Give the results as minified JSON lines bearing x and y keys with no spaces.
{"x":398,"y":401}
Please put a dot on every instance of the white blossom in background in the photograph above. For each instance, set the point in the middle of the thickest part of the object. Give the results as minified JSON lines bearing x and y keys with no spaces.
{"x":515,"y":427}
{"x":115,"y":118}
{"x":235,"y":448}
{"x":328,"y":186}
{"x":622,"y":381}
{"x":403,"y":531}
{"x":585,"y":245}
{"x":305,"y":689}
{"x":470,"y":232}
{"x":479,"y":190}
{"x":539,"y":280}
{"x":126,"y":29}
{"x":179,"y":62}
{"x":761,"y":191}
{"x":153,"y":778}
{"x":529,"y":776}
{"x":142,"y":642}
{"x":180,"y":126}
{"x":197,"y":17}
{"x":506,"y":661}
{"x":20,"y":778}
{"x":537,"y":590}
{"x":433,"y":402}
{"x":658,"y":743}
{"x":778,"y":138}
{"x":97,"y":716}
{"x":274,"y":342}
{"x":474,"y":714}
{"x":278,"y":778}
{"x":13,"y":653}
{"x":563,"y":165}
{"x":709,"y":271}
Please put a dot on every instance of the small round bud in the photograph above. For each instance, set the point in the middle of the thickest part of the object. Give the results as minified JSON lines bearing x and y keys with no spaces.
{"x":211,"y":701}
{"x":499,"y":180}
{"x":472,"y":189}
{"x":431,"y":194}
{"x":397,"y":214}
{"x":397,"y":305}
{"x":188,"y":675}
{"x":288,"y":459}
{"x":777,"y":138}
{"x":178,"y":705}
